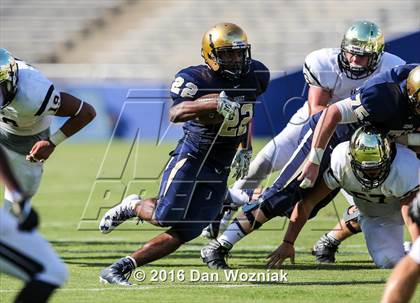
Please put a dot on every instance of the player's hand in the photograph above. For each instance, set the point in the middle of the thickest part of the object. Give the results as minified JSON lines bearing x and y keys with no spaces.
{"x":225,"y":107}
{"x":308,"y":175}
{"x":277,"y":257}
{"x":40,"y":151}
{"x":240,"y":163}
{"x":27,"y":216}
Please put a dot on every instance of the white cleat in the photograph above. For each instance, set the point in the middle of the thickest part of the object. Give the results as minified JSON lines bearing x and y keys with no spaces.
{"x":119,"y":213}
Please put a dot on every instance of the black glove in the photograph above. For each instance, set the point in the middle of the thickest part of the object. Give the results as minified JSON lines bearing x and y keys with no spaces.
{"x":27,"y":216}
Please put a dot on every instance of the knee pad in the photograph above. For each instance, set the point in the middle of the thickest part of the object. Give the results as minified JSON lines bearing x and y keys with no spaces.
{"x":251,"y":219}
{"x":350,"y":217}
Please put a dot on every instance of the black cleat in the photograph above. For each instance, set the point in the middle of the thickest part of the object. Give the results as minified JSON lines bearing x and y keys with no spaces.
{"x":325,"y":249}
{"x":118,"y":273}
{"x":214,"y":255}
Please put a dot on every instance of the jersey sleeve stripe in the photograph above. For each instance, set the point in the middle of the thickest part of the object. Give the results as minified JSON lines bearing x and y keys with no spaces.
{"x":45,"y":102}
{"x":311,"y":74}
{"x":410,"y":192}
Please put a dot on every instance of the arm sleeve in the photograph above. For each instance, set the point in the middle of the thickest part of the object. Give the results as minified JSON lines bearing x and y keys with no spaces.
{"x":49,"y":97}
{"x":346,"y":109}
{"x":316,"y":73}
{"x":183,"y":88}
{"x":406,"y":179}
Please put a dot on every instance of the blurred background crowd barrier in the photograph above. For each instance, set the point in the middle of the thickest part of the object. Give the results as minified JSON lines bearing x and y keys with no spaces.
{"x":121,"y":55}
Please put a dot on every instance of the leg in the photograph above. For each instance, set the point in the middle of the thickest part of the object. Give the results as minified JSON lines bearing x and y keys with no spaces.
{"x":384,"y":239}
{"x":184,"y":205}
{"x":29,"y":257}
{"x":326,"y":247}
{"x":252,"y":216}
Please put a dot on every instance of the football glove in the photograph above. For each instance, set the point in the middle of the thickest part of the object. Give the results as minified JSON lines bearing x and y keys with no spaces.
{"x":225,"y":107}
{"x":240,"y":163}
{"x":27,"y":216}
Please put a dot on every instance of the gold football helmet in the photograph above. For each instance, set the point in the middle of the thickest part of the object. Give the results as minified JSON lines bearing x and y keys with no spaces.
{"x":363,"y":38}
{"x":8,"y":77}
{"x":371,"y":156}
{"x":226,"y":50}
{"x":413,"y":89}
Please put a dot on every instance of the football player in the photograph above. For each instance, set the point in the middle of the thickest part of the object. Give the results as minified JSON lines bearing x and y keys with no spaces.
{"x":382,"y":177}
{"x":216,"y":102}
{"x":327,"y":245}
{"x":331,"y":73}
{"x":23,"y":252}
{"x":28,"y":102}
{"x":388,"y":101}
{"x":403,"y":280}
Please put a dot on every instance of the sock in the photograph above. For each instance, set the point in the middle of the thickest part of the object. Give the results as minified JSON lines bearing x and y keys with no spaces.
{"x":231,"y":235}
{"x":332,"y":238}
{"x":238,"y":196}
{"x":133,"y":261}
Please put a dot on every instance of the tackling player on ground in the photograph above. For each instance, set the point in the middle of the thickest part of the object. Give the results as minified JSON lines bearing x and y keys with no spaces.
{"x":216,"y":102}
{"x":382,"y":177}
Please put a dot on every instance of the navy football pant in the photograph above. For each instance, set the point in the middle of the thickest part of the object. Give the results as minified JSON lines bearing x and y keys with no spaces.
{"x":190,"y":196}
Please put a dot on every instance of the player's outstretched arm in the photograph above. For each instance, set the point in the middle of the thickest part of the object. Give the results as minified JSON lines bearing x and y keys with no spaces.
{"x":298,"y":219}
{"x":324,"y":129}
{"x":80,"y":114}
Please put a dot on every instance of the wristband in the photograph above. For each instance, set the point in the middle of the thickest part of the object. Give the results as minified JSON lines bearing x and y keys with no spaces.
{"x":288,"y":242}
{"x":413,"y":139}
{"x":315,"y":155}
{"x":58,"y":137}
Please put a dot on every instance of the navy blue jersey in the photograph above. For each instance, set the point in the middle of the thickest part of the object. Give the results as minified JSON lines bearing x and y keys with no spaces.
{"x":383,"y":102}
{"x":218,"y":143}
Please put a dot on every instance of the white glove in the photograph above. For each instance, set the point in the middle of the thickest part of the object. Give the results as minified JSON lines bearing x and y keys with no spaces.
{"x":225,"y":107}
{"x":240,"y":163}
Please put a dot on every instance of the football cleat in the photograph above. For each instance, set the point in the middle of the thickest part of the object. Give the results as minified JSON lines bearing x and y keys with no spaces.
{"x":324,"y":250}
{"x":118,"y":273}
{"x":119,"y":213}
{"x":214,"y":255}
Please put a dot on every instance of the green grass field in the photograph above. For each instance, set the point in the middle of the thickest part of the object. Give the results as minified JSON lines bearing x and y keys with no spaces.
{"x":68,"y":221}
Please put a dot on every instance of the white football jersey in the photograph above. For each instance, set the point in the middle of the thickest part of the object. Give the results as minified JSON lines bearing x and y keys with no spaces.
{"x":36,"y":101}
{"x":384,"y":200}
{"x":321,"y":69}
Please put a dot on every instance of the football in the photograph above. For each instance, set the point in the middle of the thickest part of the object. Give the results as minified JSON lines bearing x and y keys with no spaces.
{"x":212,"y":117}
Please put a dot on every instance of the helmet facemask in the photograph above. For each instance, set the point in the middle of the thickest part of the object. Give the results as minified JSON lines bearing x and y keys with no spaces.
{"x":234,"y":61}
{"x":371,"y":157}
{"x":371,"y":175}
{"x":363,"y":38}
{"x":8,"y":82}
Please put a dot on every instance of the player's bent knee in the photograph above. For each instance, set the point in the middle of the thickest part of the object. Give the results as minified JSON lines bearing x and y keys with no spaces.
{"x":387,"y":261}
